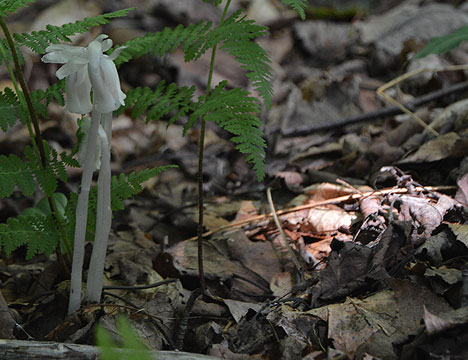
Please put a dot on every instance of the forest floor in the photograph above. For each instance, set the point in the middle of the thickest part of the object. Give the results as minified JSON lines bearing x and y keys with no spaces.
{"x":373,"y":203}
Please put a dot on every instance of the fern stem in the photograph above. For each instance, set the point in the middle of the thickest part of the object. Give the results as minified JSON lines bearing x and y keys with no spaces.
{"x":201,"y":148}
{"x":104,"y":214}
{"x":36,"y":140}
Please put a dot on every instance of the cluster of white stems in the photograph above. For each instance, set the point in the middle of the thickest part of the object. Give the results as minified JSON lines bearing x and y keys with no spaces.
{"x":86,"y":69}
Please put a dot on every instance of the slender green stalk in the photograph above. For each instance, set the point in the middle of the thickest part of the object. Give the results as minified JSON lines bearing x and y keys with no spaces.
{"x":36,"y":139}
{"x":201,"y":147}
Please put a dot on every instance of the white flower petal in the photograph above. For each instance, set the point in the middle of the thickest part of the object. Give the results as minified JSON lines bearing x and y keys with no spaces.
{"x":107,"y":95}
{"x":116,"y":53}
{"x":62,"y":53}
{"x":87,"y":68}
{"x":78,"y":89}
{"x":106,"y":45}
{"x":69,"y":68}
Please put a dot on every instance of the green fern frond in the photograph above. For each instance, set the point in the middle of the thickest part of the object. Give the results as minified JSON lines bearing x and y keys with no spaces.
{"x":39,"y":40}
{"x":45,"y":177}
{"x":10,"y":108}
{"x":69,"y":160}
{"x":164,"y":100}
{"x":14,"y":171}
{"x":38,"y":233}
{"x":163,"y":42}
{"x":234,"y":110}
{"x":234,"y":28}
{"x":11,"y":6}
{"x":41,"y":99}
{"x":21,"y":173}
{"x":124,"y":187}
{"x":54,"y":92}
{"x":7,"y":53}
{"x":236,"y":34}
{"x":257,"y":63}
{"x":298,"y":5}
{"x":57,"y":166}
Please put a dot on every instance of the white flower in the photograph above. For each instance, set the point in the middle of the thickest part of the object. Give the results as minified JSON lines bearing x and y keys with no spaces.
{"x":87,"y":68}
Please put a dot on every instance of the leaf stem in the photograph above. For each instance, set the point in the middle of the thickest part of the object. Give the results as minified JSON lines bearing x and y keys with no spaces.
{"x":37,"y":139}
{"x":201,"y":146}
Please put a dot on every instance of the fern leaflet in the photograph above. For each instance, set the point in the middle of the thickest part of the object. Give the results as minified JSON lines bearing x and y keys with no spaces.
{"x":234,"y":110}
{"x":236,"y":34}
{"x":38,"y":233}
{"x":14,"y":171}
{"x":298,"y":5}
{"x":256,"y":61}
{"x":11,"y":6}
{"x":10,"y":108}
{"x":164,"y":100}
{"x":166,"y":41}
{"x":125,"y":187}
{"x":39,"y":40}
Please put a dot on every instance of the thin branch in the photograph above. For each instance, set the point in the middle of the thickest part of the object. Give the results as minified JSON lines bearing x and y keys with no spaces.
{"x":295,"y":260}
{"x":337,"y":200}
{"x":384,"y":112}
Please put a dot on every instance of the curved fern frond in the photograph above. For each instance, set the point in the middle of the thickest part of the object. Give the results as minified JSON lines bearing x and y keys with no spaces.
{"x":21,"y":173}
{"x":234,"y":110}
{"x":164,"y":100}
{"x":298,"y":5}
{"x":124,"y":187}
{"x":163,"y":42}
{"x":236,"y":34}
{"x":41,"y":99}
{"x":12,"y":6}
{"x":38,"y":233}
{"x":257,"y":63}
{"x":39,"y":40}
{"x":232,"y":29}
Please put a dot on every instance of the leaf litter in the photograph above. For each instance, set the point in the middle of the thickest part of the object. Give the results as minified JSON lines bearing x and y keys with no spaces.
{"x":375,"y":211}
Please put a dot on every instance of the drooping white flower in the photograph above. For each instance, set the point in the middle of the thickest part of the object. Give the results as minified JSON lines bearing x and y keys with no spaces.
{"x":86,"y":68}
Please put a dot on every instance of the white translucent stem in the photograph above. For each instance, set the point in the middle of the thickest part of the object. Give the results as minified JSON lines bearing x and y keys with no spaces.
{"x":104,"y":215}
{"x":82,"y":215}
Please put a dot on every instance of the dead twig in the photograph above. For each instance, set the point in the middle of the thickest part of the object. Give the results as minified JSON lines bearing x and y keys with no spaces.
{"x":336,"y":200}
{"x":381,"y":92}
{"x":384,"y":112}
{"x":295,"y":260}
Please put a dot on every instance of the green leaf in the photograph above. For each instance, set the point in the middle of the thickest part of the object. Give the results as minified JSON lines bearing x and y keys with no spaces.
{"x":235,"y":111}
{"x":38,"y":233}
{"x":163,"y":101}
{"x":133,"y":348}
{"x":39,"y":40}
{"x":11,"y":6}
{"x":439,"y":45}
{"x":14,"y":171}
{"x":299,"y":5}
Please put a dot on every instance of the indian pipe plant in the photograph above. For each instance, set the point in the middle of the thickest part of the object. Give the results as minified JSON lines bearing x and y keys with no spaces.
{"x":89,"y":85}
